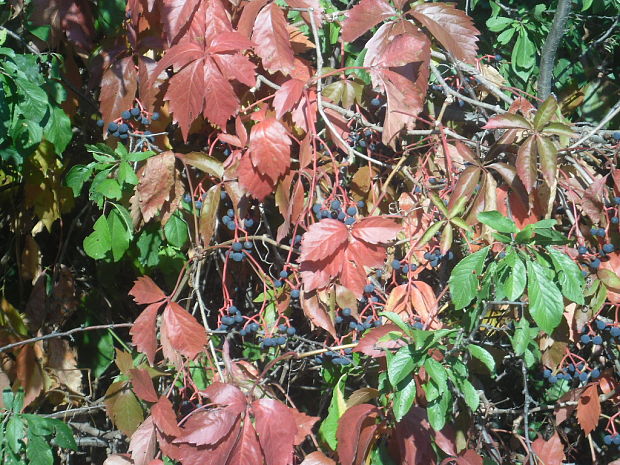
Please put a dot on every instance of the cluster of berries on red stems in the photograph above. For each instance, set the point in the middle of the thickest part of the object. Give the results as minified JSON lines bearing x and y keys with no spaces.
{"x":347,"y":215}
{"x":127,"y":123}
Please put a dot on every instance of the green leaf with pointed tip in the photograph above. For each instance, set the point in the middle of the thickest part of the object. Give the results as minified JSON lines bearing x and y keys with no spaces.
{"x":472,"y":399}
{"x":403,"y":399}
{"x":109,"y":188}
{"x":458,"y":207}
{"x":400,"y":365}
{"x":120,"y":234}
{"x":430,"y":232}
{"x":398,"y":321}
{"x":126,"y":174}
{"x":176,"y":231}
{"x":569,"y":275}
{"x":76,"y":177}
{"x":546,"y":304}
{"x":437,"y":373}
{"x":38,"y":450}
{"x":98,"y":243}
{"x":483,"y":355}
{"x":439,"y":204}
{"x":545,"y":112}
{"x":464,"y":278}
{"x":558,"y":129}
{"x":515,"y":282}
{"x":437,"y":410}
{"x":15,"y":433}
{"x":497,"y":221}
{"x":336,"y":409}
{"x":63,"y":435}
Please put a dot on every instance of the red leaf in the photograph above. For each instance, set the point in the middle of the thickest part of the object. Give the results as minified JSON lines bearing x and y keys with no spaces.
{"x":142,"y":443}
{"x":589,"y":409}
{"x":156,"y":180}
{"x":363,"y":16}
{"x":315,"y":4}
{"x":226,"y":394}
{"x":118,"y":88}
{"x":316,"y":313}
{"x":186,"y":94}
{"x":148,"y":83}
{"x":276,"y":430}
{"x":317,"y":275}
{"x":526,"y":163}
{"x":259,"y":185}
{"x":349,"y":428}
{"x":453,"y":28}
{"x":317,"y":458}
{"x":248,"y":16}
{"x":145,"y":291}
{"x":207,"y":427}
{"x":237,"y":67}
{"x":364,"y":254}
{"x":507,"y":121}
{"x":370,"y":345}
{"x":304,"y":424}
{"x":221,"y":102}
{"x":205,"y":455}
{"x":247,"y":451}
{"x":550,"y":452}
{"x":467,"y":457}
{"x":144,"y":332}
{"x":175,"y":16}
{"x":143,"y":385}
{"x":164,"y":417}
{"x":270,"y":148}
{"x":186,"y":335}
{"x":322,"y":240}
{"x":287,"y":96}
{"x":412,"y":438}
{"x":353,"y":275}
{"x":376,"y":229}
{"x":272,"y":40}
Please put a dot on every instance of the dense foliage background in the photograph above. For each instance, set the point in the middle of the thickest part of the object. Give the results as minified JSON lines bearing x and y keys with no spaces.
{"x":309,"y":231}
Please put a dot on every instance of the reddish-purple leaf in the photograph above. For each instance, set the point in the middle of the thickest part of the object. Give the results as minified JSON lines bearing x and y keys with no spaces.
{"x":548,"y":154}
{"x":363,"y":16}
{"x":118,"y":88}
{"x":257,"y":184}
{"x":507,"y":121}
{"x":164,"y":417}
{"x":228,"y":395}
{"x":155,"y":183}
{"x":467,"y":181}
{"x":142,"y":444}
{"x":270,"y":148}
{"x":376,"y":229}
{"x":207,"y":427}
{"x":272,"y":40}
{"x":221,"y":102}
{"x":589,"y":409}
{"x":144,"y":332}
{"x":315,"y":312}
{"x":323,"y":239}
{"x":276,"y":430}
{"x":247,"y":451}
{"x":353,"y":276}
{"x":370,"y":344}
{"x":349,"y":428}
{"x":248,"y":16}
{"x":176,"y":14}
{"x":549,"y":452}
{"x":186,"y":335}
{"x":412,"y":438}
{"x":317,"y":458}
{"x":287,"y":96}
{"x":526,"y":163}
{"x":143,"y":385}
{"x":186,"y":94}
{"x":453,"y":28}
{"x":145,"y":291}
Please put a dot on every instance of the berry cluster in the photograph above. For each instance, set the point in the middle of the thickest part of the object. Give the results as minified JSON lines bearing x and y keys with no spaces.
{"x":610,"y":439}
{"x":435,"y":257}
{"x":334,"y":357}
{"x":279,"y":340}
{"x":571,"y":372}
{"x":605,"y":329}
{"x":337,"y":212}
{"x":237,"y":249}
{"x":128,"y":122}
{"x":233,"y":318}
{"x":345,"y":316}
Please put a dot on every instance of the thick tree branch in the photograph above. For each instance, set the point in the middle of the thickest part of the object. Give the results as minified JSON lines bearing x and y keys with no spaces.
{"x":547,"y":59}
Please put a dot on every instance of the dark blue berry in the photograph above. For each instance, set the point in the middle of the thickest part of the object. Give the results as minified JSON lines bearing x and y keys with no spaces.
{"x":377,"y":323}
{"x":616,"y":136}
{"x":594,"y":264}
{"x":553,"y":379}
{"x":231,"y":225}
{"x":237,"y":246}
{"x":432,"y":181}
{"x":338,"y":319}
{"x":124,"y":136}
{"x":278,"y":283}
{"x":341,"y":216}
{"x":595,"y":373}
{"x":582,"y":250}
{"x":570,"y":368}
{"x":230,"y":212}
{"x":253,"y":327}
{"x":583,"y":377}
{"x":291,"y":331}
{"x":601,"y":325}
{"x":349,"y":221}
{"x":405,"y":269}
{"x":228,"y":320}
{"x":360,"y":204}
{"x":335,"y":204}
{"x":282,"y":327}
{"x":325,"y":213}
{"x":145,"y":121}
{"x":546,"y":373}
{"x":586,"y":339}
{"x":434,"y":263}
{"x":281,"y":340}
{"x":243,"y":332}
{"x":608,"y":439}
{"x":112,"y":127}
{"x":379,"y":273}
{"x":248,"y":245}
{"x":116,"y":133}
{"x":316,"y":208}
{"x":237,"y":256}
{"x":100,"y":123}
{"x":135,"y":111}
{"x":498,"y":57}
{"x":223,"y":328}
{"x":615,"y":331}
{"x":346,"y":311}
{"x":375,"y":102}
{"x":368,"y":288}
{"x":223,"y":195}
{"x":283,"y":274}
{"x":608,"y":248}
{"x":297,"y":239}
{"x":295,"y":294}
{"x":123,"y":128}
{"x":352,"y":325}
{"x":598,"y":340}
{"x":615,"y":220}
{"x":155,"y":116}
{"x":233,"y":310}
{"x":396,"y":264}
{"x":616,"y":439}
{"x":126,"y":115}
{"x":351,"y":211}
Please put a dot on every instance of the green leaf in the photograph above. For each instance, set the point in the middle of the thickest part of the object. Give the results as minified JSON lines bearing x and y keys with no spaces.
{"x":514,"y":285}
{"x":39,"y":451}
{"x":430,"y":232}
{"x":472,"y":399}
{"x":437,"y":410}
{"x":76,"y":177}
{"x":497,"y":221}
{"x":403,"y":399}
{"x":464,"y":278}
{"x":176,"y":231}
{"x":148,"y":244}
{"x":523,"y":336}
{"x":400,"y":365}
{"x":58,"y":129}
{"x":98,"y":243}
{"x":39,"y":425}
{"x":64,"y":436}
{"x":35,"y":103}
{"x":126,"y":174}
{"x":110,"y":189}
{"x":437,"y":373}
{"x":15,"y":433}
{"x":397,"y":320}
{"x":569,"y":275}
{"x":558,"y":129}
{"x":546,"y":304}
{"x":498,"y":23}
{"x":138,"y":156}
{"x":506,"y":36}
{"x":120,"y":234}
{"x":336,"y":409}
{"x":483,"y":355}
